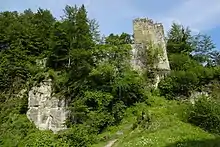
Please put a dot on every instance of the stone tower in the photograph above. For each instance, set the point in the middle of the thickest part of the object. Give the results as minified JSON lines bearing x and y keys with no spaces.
{"x":149,"y":36}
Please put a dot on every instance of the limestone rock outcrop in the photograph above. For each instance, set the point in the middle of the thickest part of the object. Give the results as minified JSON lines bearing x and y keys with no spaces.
{"x":196,"y":95}
{"x":44,"y":110}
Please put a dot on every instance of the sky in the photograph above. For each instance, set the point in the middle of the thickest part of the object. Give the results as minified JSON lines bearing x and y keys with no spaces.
{"x":115,"y":16}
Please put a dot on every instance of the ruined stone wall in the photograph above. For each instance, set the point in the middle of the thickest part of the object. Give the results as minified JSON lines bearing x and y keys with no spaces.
{"x":147,"y":32}
{"x":149,"y":35}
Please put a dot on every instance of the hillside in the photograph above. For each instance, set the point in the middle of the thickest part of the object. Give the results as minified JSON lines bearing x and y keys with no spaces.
{"x":166,"y":129}
{"x":63,"y":85}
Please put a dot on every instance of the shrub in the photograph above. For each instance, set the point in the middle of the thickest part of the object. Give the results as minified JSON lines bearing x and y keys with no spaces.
{"x":206,"y":114}
{"x":42,"y":138}
{"x":179,"y":83}
{"x":14,"y":130}
{"x":143,"y":120}
{"x":78,"y":136}
{"x":181,"y":62}
{"x":182,"y":83}
{"x":99,"y":120}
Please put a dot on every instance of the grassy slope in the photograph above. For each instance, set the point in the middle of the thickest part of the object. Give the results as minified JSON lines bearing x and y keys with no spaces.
{"x":167,"y":129}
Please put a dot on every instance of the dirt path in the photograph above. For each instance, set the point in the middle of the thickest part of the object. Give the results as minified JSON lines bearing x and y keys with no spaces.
{"x":111,"y":143}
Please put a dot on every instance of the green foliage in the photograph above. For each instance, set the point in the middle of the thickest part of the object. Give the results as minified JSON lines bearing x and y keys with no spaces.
{"x":14,"y":125}
{"x":206,"y":114}
{"x":179,"y":40}
{"x":153,"y":54}
{"x":59,"y":46}
{"x":215,"y":89}
{"x":204,"y":47}
{"x":183,"y":62}
{"x":143,"y":120}
{"x":168,"y":86}
{"x":124,"y":38}
{"x":102,"y":86}
{"x":84,"y":38}
{"x":166,"y":127}
{"x":187,"y":55}
{"x":37,"y":139}
{"x":78,"y":136}
{"x":14,"y":130}
{"x":182,"y":83}
{"x":96,"y":79}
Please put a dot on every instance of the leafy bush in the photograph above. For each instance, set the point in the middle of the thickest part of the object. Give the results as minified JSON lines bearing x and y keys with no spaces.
{"x":143,"y":120}
{"x":179,"y":83}
{"x":78,"y":136}
{"x":206,"y":114}
{"x":42,"y":138}
{"x":181,"y":62}
{"x":99,"y":120}
{"x":182,"y":83}
{"x":14,"y":130}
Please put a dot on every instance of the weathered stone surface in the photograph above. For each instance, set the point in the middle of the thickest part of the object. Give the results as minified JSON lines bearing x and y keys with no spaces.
{"x":146,"y":33}
{"x":196,"y":95}
{"x":47,"y":112}
{"x":136,"y":61}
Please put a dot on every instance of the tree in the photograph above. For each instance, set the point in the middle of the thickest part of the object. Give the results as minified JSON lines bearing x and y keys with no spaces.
{"x":35,"y":31}
{"x":94,"y":28}
{"x":124,"y":38}
{"x":43,"y":21}
{"x":59,"y":47}
{"x":84,"y":38}
{"x":179,"y":40}
{"x":204,"y":48}
{"x":70,"y":27}
{"x":214,"y":58}
{"x":182,"y":62}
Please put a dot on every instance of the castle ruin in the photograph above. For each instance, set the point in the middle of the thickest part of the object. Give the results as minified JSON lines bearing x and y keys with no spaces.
{"x":49,"y":113}
{"x":150,"y":45}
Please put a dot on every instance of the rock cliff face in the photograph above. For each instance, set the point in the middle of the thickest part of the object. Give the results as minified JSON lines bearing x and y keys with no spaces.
{"x":149,"y":36}
{"x":45,"y":111}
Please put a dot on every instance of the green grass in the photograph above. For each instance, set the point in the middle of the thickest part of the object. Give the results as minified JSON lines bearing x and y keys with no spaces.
{"x":168,"y":129}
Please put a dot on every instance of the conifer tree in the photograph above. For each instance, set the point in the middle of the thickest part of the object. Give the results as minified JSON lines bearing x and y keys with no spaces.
{"x":70,"y":27}
{"x":179,"y":40}
{"x":84,"y":38}
{"x":59,"y":47}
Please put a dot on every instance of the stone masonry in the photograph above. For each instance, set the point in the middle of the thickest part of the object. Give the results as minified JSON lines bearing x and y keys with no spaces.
{"x":148,"y":32}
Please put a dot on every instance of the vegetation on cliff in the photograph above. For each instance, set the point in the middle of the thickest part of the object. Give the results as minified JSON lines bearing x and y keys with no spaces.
{"x":105,"y":94}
